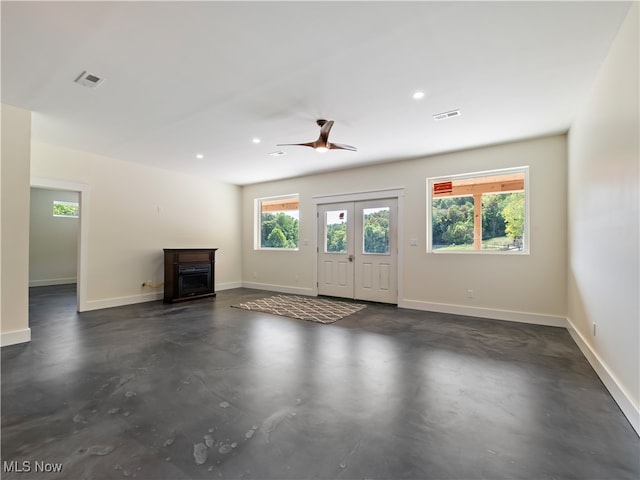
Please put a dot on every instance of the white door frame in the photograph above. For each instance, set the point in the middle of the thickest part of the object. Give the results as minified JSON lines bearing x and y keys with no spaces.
{"x":397,"y":193}
{"x":83,"y":231}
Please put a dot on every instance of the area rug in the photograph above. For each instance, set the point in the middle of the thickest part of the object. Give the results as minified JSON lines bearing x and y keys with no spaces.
{"x":303,"y":308}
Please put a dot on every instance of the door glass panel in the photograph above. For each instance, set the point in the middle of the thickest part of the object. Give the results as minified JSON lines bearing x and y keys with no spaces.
{"x":375,"y":222}
{"x":335,"y":231}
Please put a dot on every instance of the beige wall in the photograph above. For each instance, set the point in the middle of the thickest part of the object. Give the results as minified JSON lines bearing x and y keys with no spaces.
{"x":134,"y":212}
{"x":517,"y":287}
{"x":53,"y":241}
{"x":603,"y":268}
{"x":14,"y":251}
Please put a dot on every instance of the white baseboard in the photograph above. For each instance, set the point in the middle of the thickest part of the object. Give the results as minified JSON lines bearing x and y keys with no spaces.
{"x":630,"y":408}
{"x":228,"y":286}
{"x":15,"y":337}
{"x":121,"y":301}
{"x":52,"y":281}
{"x":146,"y":297}
{"x":279,"y":288}
{"x":491,"y":313}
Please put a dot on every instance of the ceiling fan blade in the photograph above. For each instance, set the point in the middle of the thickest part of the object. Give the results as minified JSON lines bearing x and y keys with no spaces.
{"x":309,"y":144}
{"x":341,"y":146}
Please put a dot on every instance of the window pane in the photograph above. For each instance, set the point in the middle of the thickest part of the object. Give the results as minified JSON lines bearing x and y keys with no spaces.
{"x":376,"y":230}
{"x":279,"y":223}
{"x":479,"y":212}
{"x":65,"y":209}
{"x":335,"y":231}
{"x":453,"y":223}
{"x":513,"y":213}
{"x":502,"y":221}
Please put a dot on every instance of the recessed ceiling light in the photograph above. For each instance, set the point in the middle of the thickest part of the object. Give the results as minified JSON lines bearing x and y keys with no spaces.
{"x":279,"y":153}
{"x":418,"y":95}
{"x":256,"y":140}
{"x":199,"y":156}
{"x":445,"y":115}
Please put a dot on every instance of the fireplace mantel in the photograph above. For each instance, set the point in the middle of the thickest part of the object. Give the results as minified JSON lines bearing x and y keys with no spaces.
{"x":189,"y":273}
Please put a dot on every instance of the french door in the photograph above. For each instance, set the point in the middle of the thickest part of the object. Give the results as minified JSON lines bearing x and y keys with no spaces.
{"x":358,"y":251}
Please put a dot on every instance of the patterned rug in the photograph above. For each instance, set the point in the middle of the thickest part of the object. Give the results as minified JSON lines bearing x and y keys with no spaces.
{"x":303,"y":308}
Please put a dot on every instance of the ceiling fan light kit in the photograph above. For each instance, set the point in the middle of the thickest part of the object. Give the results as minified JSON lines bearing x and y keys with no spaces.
{"x":322,"y":144}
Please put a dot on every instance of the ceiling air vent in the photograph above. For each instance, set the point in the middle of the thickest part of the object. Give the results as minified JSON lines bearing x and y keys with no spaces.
{"x":445,"y":115}
{"x":87,"y":79}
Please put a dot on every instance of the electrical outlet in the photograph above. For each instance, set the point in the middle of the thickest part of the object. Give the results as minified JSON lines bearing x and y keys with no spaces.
{"x":594,"y":329}
{"x":469,"y":293}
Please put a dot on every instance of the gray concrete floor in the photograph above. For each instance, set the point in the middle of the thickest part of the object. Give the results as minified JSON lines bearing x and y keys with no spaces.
{"x":203,"y":390}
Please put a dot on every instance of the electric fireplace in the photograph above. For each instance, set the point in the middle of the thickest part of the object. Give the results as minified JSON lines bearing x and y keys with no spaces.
{"x":188,"y":273}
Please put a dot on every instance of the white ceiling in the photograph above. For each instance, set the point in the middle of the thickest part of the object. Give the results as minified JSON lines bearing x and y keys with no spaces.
{"x":182,"y":78}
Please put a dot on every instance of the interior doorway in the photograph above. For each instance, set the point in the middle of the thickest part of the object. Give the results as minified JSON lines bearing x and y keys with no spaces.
{"x":53,"y":237}
{"x":82,"y":192}
{"x":358,"y":250}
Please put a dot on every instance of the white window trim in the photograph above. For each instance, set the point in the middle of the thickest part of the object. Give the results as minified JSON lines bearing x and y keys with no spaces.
{"x":257,"y":223}
{"x":526,"y":250}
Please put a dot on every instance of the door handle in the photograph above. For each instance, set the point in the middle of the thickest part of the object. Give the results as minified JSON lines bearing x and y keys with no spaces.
{"x":351,"y":258}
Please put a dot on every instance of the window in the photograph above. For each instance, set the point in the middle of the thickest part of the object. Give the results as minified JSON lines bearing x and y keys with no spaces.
{"x":375,"y":223}
{"x":336,"y":232}
{"x":277,"y":222}
{"x":66,"y":209}
{"x":479,"y":212}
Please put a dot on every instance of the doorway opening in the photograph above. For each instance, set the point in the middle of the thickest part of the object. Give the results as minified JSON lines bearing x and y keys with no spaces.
{"x":53,"y":237}
{"x":55,"y":258}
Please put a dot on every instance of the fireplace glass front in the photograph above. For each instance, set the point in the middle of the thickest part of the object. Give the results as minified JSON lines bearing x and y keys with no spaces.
{"x":194,"y":280}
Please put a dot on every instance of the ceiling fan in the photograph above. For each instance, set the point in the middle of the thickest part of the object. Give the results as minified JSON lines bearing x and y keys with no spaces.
{"x":322,"y":144}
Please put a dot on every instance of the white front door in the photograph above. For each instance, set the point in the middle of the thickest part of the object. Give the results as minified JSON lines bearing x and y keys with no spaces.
{"x":335,"y":249}
{"x":357,"y":250}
